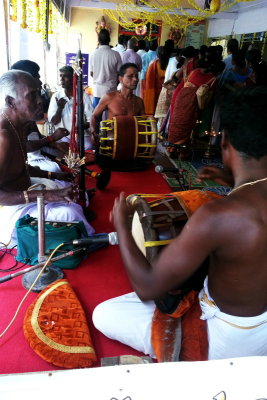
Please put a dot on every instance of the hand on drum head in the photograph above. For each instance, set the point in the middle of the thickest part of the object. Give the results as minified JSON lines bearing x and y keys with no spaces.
{"x":216,"y":174}
{"x":120,"y":212}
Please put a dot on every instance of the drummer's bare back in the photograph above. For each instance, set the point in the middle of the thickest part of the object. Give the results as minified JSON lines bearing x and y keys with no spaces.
{"x":120,"y":105}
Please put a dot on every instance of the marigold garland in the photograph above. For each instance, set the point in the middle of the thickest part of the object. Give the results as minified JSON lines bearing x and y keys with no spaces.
{"x":14,"y":10}
{"x":175,"y":13}
{"x":31,"y":14}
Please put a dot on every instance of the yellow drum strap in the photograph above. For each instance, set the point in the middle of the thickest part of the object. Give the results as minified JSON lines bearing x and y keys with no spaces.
{"x":157,"y":243}
{"x":136,"y":137}
{"x":115,"y":138}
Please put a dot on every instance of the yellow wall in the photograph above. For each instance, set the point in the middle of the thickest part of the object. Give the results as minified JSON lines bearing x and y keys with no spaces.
{"x":164,"y":34}
{"x":83,"y":21}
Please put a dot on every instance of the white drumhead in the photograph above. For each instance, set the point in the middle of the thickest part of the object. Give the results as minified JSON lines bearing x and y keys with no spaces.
{"x":138,"y":233}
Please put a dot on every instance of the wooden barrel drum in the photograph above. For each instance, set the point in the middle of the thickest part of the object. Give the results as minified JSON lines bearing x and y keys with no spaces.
{"x":156,"y":223}
{"x":126,"y":138}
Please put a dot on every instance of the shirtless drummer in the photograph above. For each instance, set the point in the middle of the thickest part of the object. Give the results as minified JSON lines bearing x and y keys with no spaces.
{"x":123,"y":101}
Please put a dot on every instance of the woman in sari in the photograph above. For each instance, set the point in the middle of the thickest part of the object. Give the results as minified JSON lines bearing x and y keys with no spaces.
{"x":154,"y":80}
{"x":185,"y":110}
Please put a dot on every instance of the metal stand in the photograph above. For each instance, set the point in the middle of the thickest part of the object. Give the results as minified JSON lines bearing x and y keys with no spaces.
{"x":50,"y":274}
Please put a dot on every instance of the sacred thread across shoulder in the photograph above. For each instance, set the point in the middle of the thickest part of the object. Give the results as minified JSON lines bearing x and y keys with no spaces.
{"x":247,"y":184}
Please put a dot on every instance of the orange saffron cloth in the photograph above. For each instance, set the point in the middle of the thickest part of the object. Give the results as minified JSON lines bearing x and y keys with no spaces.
{"x":153,"y":85}
{"x":194,"y":343}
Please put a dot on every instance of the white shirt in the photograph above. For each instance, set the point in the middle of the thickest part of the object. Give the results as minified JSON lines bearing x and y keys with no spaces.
{"x":141,"y":52}
{"x":66,"y":116}
{"x":171,"y":68}
{"x":104,"y":64}
{"x":119,"y":48}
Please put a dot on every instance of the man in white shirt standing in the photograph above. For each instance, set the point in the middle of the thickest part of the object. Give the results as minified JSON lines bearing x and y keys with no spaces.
{"x":61,"y":104}
{"x":120,"y":48}
{"x":104,"y":65}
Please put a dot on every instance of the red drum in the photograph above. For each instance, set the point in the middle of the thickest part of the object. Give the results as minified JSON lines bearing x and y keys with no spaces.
{"x":126,"y":138}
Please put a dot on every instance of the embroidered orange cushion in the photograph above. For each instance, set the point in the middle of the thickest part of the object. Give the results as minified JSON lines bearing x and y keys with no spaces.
{"x":56,"y":328}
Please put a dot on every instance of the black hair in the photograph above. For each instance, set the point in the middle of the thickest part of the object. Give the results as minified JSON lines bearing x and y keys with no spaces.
{"x":212,"y":62}
{"x":169,"y":45}
{"x":28,"y":66}
{"x":125,"y":66}
{"x":243,"y":117}
{"x":141,"y":44}
{"x":104,"y":37}
{"x":232,"y":46}
{"x":67,"y":69}
{"x":189,"y":52}
{"x":203,"y":50}
{"x":196,"y":53}
{"x":163,"y":55}
{"x":153,"y":45}
{"x":260,"y":71}
{"x":238,"y":59}
{"x":121,"y":40}
{"x":219,"y":49}
{"x":253,"y":57}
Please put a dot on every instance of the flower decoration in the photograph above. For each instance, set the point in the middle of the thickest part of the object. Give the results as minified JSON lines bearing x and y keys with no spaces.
{"x":102,"y":25}
{"x":14,"y":10}
{"x":141,"y":30}
{"x":176,"y":35}
{"x":174,"y":13}
{"x":32,"y":14}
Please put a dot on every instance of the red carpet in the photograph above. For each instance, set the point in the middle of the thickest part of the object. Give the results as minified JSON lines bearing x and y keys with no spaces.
{"x":98,"y":278}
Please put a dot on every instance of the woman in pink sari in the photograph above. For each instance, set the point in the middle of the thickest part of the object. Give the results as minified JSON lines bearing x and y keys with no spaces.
{"x":185,"y":112}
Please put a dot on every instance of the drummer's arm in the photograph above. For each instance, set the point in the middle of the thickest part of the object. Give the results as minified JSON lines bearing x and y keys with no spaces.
{"x":176,"y":263}
{"x":100,"y":108}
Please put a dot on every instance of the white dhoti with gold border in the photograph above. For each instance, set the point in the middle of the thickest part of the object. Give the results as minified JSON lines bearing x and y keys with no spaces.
{"x":232,"y":336}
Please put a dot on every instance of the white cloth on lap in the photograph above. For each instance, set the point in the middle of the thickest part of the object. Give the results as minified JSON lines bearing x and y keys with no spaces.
{"x":232,"y":336}
{"x":54,"y":211}
{"x":128,"y":320}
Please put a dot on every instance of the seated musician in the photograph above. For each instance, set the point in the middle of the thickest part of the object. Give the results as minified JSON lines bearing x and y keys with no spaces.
{"x":231,"y":232}
{"x":61,"y":108}
{"x":120,"y":102}
{"x":20,"y":102}
{"x":38,"y":145}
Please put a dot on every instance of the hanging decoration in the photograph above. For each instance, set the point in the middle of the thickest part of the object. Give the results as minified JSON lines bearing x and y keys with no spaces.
{"x":31,"y":14}
{"x":178,"y":14}
{"x":141,"y":30}
{"x":102,"y":24}
{"x":176,"y":35}
{"x":215,"y":6}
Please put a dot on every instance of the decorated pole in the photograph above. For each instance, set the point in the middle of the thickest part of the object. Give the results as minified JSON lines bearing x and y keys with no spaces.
{"x":75,"y":158}
{"x":80,"y":118}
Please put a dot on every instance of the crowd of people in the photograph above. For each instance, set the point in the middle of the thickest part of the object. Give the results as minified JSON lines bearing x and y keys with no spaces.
{"x":230,"y":231}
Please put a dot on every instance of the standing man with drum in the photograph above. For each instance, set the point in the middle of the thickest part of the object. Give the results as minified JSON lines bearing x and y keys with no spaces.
{"x":120,"y":102}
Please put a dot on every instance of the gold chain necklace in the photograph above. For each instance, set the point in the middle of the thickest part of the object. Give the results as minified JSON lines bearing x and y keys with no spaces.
{"x":19,"y":140}
{"x":247,"y":184}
